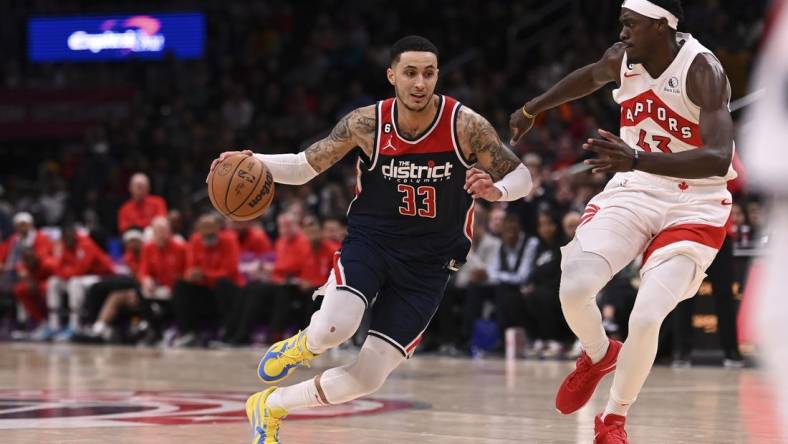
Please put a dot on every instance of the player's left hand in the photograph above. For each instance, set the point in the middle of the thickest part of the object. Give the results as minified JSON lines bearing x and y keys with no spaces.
{"x":480,"y":185}
{"x":614,"y":155}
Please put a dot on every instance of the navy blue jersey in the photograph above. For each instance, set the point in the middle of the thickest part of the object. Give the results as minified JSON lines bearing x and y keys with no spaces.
{"x":409,"y":194}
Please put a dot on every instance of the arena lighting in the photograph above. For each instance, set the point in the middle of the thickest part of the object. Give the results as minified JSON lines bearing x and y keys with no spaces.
{"x":116,"y":37}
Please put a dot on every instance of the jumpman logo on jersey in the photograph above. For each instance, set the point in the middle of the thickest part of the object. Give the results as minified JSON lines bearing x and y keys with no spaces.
{"x":389,"y":146}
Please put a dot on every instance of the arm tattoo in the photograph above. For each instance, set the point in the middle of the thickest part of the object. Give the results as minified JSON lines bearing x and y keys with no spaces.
{"x":365,"y":124}
{"x":341,"y":131}
{"x":324,"y":153}
{"x":353,"y":129}
{"x":492,"y":155}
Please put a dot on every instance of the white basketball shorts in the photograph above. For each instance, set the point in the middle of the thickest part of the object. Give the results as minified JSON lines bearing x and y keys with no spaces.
{"x":656,"y":217}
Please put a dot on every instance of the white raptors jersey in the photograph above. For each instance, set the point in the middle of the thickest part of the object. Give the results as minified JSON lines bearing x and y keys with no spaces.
{"x":657,"y":114}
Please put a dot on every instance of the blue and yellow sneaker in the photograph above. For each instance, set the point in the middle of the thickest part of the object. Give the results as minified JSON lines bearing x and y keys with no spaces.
{"x":265,"y":421}
{"x":283,"y":358}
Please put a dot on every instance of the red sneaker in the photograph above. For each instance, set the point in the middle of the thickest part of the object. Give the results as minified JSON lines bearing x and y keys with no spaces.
{"x":579,"y":386}
{"x":611,"y":430}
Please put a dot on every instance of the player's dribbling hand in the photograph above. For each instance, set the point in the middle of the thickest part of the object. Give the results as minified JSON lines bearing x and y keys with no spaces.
{"x":614,"y":155}
{"x":479,"y":185}
{"x":519,"y":125}
{"x":225,"y":155}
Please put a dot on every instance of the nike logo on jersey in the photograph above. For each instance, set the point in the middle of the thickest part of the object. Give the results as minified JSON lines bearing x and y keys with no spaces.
{"x":631,"y":74}
{"x":726,"y":202}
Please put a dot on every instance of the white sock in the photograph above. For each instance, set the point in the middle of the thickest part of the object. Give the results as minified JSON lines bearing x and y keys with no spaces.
{"x":615,"y":408}
{"x":375,"y":361}
{"x":597,"y":350}
{"x":303,"y":394}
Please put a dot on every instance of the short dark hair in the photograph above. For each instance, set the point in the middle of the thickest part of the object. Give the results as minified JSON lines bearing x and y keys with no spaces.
{"x":673,"y":6}
{"x":411,"y":43}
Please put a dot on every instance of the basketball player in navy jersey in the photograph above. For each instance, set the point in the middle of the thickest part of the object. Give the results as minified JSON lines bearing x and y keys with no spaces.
{"x":667,"y":201}
{"x":409,"y":226}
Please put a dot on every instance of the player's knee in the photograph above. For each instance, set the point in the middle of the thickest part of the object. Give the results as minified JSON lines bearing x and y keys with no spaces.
{"x":581,"y":279}
{"x":329,"y":333}
{"x":366,"y":381}
{"x":645,"y":322}
{"x":327,"y":330}
{"x":366,"y":384}
{"x":576,"y":289}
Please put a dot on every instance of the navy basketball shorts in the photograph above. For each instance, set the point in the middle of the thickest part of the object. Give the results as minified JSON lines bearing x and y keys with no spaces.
{"x":404,"y":295}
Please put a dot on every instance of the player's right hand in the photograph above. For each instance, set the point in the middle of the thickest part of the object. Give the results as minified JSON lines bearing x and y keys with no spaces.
{"x":519,"y":125}
{"x":480,"y":185}
{"x":225,"y":155}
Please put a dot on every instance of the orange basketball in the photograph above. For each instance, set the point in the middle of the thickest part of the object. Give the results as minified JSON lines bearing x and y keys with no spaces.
{"x":241,"y":187}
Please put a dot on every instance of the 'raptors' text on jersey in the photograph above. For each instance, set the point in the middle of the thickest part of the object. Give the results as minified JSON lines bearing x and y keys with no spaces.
{"x":409,"y":193}
{"x":657,"y":114}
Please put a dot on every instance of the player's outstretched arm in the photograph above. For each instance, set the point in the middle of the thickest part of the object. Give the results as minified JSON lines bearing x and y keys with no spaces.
{"x":707,"y":86}
{"x":577,"y":84}
{"x":498,"y":173}
{"x":355,"y":129}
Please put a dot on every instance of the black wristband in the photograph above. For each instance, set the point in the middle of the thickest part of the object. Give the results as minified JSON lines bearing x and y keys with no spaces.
{"x":635,"y":159}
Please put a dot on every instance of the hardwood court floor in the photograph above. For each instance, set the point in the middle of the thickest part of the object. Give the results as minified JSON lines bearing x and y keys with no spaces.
{"x":91,"y":395}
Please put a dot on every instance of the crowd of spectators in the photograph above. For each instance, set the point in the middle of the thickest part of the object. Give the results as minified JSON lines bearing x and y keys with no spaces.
{"x":275,"y":76}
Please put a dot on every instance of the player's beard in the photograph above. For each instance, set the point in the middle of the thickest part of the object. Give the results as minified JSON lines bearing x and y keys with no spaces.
{"x":427,"y":102}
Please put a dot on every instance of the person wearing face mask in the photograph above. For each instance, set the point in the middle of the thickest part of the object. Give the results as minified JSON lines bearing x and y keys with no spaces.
{"x":211,"y":280}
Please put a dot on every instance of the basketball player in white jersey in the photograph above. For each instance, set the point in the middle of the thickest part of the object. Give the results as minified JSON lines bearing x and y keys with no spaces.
{"x":667,"y":201}
{"x":767,"y":162}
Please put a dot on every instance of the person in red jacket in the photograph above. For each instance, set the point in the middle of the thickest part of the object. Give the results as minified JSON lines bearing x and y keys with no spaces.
{"x":303,"y":261}
{"x":29,"y":291}
{"x":139,"y":211}
{"x":25,"y":236}
{"x":321,"y":258}
{"x":292,"y":247}
{"x":79,"y":263}
{"x":253,"y":239}
{"x":210,"y":283}
{"x":164,"y":261}
{"x":160,"y":263}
